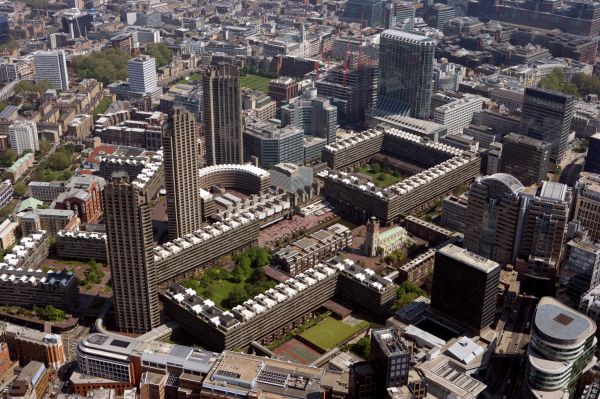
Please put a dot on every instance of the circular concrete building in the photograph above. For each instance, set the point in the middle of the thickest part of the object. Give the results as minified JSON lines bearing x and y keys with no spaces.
{"x":245,"y":178}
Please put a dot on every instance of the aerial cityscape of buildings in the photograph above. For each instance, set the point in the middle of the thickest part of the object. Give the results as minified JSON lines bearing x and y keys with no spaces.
{"x":354,"y":199}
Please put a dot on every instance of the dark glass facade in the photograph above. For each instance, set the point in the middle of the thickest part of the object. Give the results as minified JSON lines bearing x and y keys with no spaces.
{"x":546,"y":116}
{"x":405,"y":73}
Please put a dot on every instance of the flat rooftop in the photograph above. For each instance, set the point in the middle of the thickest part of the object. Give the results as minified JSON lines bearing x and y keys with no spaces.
{"x":559,"y":324}
{"x":462,"y":255}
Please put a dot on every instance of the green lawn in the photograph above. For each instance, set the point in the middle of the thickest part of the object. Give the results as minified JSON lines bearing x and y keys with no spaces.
{"x":255,"y":82}
{"x":380,"y":179}
{"x":220,"y":290}
{"x":330,"y":333}
{"x":194,"y":77}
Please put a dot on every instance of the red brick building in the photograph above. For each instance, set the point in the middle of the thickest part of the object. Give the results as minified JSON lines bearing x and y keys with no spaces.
{"x":84,"y":198}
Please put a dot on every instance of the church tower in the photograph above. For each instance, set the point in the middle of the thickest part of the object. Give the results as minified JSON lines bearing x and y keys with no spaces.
{"x":372,"y":239}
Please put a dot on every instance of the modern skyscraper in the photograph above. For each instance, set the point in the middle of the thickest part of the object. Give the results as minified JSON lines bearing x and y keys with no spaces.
{"x":405,"y":73}
{"x":314,"y":115}
{"x":401,"y":14}
{"x":543,"y":233}
{"x":77,"y":23}
{"x":525,"y":157}
{"x":592,"y":158}
{"x":491,"y":225}
{"x":130,"y":245}
{"x":365,"y":12}
{"x":587,"y":203}
{"x":561,"y":350}
{"x":546,"y":116}
{"x":182,"y":161}
{"x":465,"y":286}
{"x":580,"y":271}
{"x":4,"y":29}
{"x":23,"y":136}
{"x":52,"y":66}
{"x":222,"y":116}
{"x":143,"y":79}
{"x":439,"y":14}
{"x":545,"y":226}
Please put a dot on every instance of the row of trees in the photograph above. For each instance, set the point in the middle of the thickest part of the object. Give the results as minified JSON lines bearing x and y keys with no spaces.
{"x":49,"y":313}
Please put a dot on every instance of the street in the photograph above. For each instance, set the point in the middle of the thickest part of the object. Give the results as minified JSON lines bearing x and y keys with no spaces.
{"x":505,"y":376}
{"x":72,"y":338}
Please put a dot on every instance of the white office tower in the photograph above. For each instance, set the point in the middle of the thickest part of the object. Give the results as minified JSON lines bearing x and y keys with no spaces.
{"x":561,"y":349}
{"x":23,"y":136}
{"x":52,"y":66}
{"x":143,"y":79}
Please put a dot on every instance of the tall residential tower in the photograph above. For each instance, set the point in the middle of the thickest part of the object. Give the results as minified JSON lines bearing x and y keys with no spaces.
{"x":222,"y":116}
{"x":182,"y":161}
{"x":130,"y":244}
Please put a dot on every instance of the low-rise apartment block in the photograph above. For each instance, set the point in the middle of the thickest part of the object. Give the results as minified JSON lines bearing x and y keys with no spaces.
{"x":268,"y":316}
{"x":307,"y":252}
{"x":20,"y":166}
{"x":50,"y":220}
{"x":82,"y":245}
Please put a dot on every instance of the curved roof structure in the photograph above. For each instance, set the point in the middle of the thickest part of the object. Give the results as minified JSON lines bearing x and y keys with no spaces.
{"x":233,"y":167}
{"x":511,"y":182}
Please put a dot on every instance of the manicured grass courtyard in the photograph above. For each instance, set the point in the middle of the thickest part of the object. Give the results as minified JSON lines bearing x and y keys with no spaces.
{"x":330,"y":333}
{"x":218,"y":291}
{"x":255,"y":82}
{"x":380,"y":178}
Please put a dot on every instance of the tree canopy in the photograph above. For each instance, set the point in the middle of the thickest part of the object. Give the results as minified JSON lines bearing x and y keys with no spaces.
{"x":27,"y":86}
{"x":160,"y":52}
{"x":107,"y":66}
{"x":580,"y":85}
{"x":362,"y":347}
{"x":49,"y":313}
{"x":406,"y":293}
{"x":7,"y":157}
{"x":20,"y":189}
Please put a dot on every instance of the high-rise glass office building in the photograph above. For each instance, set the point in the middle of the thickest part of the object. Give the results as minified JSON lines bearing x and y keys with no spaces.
{"x":405,"y":73}
{"x":546,"y":116}
{"x":365,"y":12}
{"x":52,"y":66}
